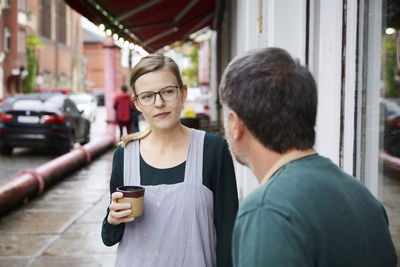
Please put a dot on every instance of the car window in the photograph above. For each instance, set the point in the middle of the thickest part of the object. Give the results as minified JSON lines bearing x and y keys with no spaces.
{"x":81,"y":99}
{"x":70,"y":107}
{"x":54,"y":102}
{"x":32,"y":104}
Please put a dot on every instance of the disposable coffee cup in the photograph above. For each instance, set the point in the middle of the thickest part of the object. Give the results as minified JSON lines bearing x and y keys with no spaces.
{"x":133,"y":195}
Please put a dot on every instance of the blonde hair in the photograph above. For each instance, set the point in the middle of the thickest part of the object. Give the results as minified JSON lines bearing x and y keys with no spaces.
{"x":152,"y":62}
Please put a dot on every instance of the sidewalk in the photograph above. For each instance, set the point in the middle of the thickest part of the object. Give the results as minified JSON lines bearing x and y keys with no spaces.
{"x":63,"y":226}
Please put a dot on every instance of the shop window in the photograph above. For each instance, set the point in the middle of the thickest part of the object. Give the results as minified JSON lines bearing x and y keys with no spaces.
{"x":378,"y":146}
{"x":45,"y":19}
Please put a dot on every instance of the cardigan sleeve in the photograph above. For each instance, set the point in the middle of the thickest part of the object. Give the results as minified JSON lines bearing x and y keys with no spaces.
{"x":112,"y":234}
{"x":219,"y":165}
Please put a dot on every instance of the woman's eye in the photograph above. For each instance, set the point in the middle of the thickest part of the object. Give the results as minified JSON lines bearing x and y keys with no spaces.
{"x":168,"y":92}
{"x":146,"y":97}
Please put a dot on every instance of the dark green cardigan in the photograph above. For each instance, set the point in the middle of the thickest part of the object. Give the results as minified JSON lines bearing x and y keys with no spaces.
{"x":218,"y":176}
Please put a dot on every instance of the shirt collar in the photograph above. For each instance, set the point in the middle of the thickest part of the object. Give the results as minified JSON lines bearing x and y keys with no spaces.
{"x":291,"y":156}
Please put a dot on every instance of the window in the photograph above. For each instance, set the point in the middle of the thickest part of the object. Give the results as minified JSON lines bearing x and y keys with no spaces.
{"x":62,"y":23}
{"x":7,"y":4}
{"x":45,"y":19}
{"x":379,"y":100}
{"x":21,"y":42}
{"x":22,"y":4}
{"x":7,"y":39}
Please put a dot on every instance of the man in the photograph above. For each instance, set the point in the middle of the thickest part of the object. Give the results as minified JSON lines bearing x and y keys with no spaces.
{"x":307,"y":211}
{"x":122,"y":105}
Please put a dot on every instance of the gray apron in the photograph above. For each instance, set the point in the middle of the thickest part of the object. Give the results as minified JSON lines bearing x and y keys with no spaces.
{"x":177,"y":225}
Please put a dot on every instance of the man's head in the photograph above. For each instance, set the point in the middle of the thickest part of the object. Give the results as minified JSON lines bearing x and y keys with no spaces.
{"x":124,"y":88}
{"x":273,"y":96}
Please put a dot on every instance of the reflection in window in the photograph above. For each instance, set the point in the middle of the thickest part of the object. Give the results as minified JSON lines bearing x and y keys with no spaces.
{"x":381,"y":60}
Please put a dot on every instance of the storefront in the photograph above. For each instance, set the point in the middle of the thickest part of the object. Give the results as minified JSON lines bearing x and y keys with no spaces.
{"x":352,"y":48}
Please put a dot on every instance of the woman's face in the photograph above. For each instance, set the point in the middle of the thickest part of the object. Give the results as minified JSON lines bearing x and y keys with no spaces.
{"x":162,"y":114}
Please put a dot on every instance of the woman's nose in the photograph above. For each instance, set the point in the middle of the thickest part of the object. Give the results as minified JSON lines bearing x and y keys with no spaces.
{"x":158,"y":100}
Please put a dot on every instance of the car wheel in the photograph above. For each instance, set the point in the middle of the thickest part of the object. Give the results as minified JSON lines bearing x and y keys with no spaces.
{"x":5,"y":150}
{"x":87,"y":135}
{"x":69,"y":144}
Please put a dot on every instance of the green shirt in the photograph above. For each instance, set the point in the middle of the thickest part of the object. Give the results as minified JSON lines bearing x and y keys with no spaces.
{"x":311,"y":213}
{"x":218,"y":176}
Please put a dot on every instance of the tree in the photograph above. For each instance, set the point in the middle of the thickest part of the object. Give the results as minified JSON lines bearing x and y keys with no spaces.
{"x":190,"y":75}
{"x":33,"y":43}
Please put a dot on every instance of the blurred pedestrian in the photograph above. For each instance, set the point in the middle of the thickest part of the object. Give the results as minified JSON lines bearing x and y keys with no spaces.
{"x":135,"y":118}
{"x":190,"y":201}
{"x":122,"y":108}
{"x":307,"y":211}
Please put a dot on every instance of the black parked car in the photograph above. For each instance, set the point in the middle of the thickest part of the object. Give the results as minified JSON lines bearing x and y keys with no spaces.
{"x":41,"y":120}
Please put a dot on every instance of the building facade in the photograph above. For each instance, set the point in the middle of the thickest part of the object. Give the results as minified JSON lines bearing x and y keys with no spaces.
{"x":59,"y":61}
{"x":94,"y":52}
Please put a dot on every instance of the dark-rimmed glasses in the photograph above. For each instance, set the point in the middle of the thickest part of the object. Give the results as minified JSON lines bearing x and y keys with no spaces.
{"x":169,"y":93}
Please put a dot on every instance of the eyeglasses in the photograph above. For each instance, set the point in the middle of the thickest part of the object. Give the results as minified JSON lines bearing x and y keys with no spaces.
{"x":169,"y":93}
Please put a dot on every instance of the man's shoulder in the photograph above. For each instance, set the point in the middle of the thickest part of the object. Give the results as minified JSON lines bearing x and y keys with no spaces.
{"x":291,"y":185}
{"x":254,"y":202}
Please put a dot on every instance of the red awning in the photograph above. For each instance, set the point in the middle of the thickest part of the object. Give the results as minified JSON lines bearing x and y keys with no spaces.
{"x":149,"y":23}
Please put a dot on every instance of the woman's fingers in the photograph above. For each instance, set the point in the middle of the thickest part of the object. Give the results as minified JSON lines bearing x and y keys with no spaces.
{"x":115,"y":196}
{"x":119,"y":206}
{"x":120,"y":214}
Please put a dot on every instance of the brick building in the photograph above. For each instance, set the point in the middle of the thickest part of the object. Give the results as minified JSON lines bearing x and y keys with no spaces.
{"x":94,"y":49}
{"x":59,"y":62}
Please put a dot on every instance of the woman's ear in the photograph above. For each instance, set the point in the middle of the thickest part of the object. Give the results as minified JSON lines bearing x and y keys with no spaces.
{"x":183,"y":93}
{"x":135,"y":102}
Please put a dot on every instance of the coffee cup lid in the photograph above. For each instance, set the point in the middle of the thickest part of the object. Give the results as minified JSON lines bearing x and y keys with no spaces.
{"x":131,"y":191}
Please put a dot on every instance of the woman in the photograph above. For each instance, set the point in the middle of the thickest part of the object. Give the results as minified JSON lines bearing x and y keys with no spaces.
{"x":190,"y":199}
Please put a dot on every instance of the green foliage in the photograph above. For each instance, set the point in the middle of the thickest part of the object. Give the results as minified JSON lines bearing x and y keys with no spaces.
{"x":190,"y":75}
{"x":392,"y":89}
{"x":32,"y":43}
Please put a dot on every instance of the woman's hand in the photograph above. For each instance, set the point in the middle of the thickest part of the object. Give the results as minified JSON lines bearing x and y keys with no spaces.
{"x":118,"y":211}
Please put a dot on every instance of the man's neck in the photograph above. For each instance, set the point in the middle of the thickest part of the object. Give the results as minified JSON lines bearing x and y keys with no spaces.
{"x":261,"y":158}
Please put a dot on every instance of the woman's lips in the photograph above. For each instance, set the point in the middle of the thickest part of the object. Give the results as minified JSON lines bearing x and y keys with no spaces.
{"x":162,"y":115}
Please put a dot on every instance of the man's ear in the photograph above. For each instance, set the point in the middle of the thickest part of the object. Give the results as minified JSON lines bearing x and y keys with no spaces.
{"x":183,"y":93}
{"x":236,"y":125}
{"x":135,"y":102}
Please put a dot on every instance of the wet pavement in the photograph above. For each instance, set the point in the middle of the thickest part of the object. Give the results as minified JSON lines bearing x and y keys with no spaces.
{"x":62,"y":227}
